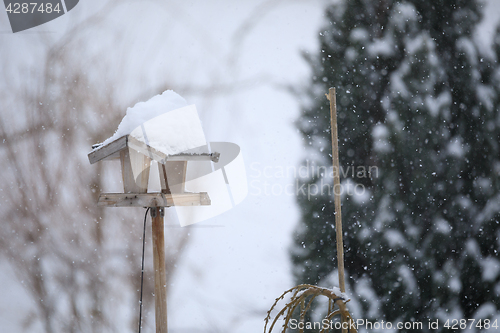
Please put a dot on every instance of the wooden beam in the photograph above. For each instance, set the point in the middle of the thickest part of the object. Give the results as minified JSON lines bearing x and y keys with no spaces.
{"x":336,"y":185}
{"x":172,"y":176}
{"x":108,"y":151}
{"x":214,"y":157}
{"x":135,"y":171}
{"x":112,"y":150}
{"x":162,"y":157}
{"x":153,"y":199}
{"x":158,"y":231}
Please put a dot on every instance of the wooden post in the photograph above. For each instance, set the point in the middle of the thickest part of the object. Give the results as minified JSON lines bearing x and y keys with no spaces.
{"x":135,"y":171}
{"x":157,"y":215}
{"x":336,"y":186}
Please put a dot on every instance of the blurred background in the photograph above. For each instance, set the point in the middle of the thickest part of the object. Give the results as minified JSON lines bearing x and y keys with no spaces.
{"x":67,"y":265}
{"x":70,"y":266}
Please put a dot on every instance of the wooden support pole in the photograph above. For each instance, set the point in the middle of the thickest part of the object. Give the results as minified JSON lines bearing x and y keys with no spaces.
{"x":336,"y":186}
{"x":336,"y":189}
{"x":157,"y":215}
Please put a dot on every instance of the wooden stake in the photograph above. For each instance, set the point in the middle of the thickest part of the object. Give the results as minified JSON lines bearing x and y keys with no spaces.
{"x":157,"y":214}
{"x":336,"y":187}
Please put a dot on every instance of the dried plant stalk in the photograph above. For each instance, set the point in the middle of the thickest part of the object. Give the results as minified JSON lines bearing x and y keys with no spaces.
{"x":298,"y":299}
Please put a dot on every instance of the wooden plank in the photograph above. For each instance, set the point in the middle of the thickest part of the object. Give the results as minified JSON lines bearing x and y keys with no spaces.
{"x":158,"y":232}
{"x":108,"y":151}
{"x":153,"y":199}
{"x":111,"y":151}
{"x":172,"y":176}
{"x":135,"y":171}
{"x":165,"y":189}
{"x":162,"y":157}
{"x":214,"y":157}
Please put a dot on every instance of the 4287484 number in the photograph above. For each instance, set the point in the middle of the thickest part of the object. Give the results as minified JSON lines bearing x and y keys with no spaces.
{"x":455,"y":324}
{"x":26,"y":7}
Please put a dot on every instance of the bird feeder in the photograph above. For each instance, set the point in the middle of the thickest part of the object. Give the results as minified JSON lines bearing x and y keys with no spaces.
{"x":135,"y":158}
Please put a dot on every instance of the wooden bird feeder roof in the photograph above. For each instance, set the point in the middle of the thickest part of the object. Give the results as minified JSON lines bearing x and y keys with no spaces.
{"x":112,"y":151}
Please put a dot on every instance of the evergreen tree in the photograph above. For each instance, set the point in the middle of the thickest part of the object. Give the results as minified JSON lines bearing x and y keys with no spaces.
{"x":418,"y":102}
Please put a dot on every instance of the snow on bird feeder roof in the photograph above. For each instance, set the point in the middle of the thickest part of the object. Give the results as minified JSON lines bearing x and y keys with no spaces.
{"x":164,"y":129}
{"x":165,"y":123}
